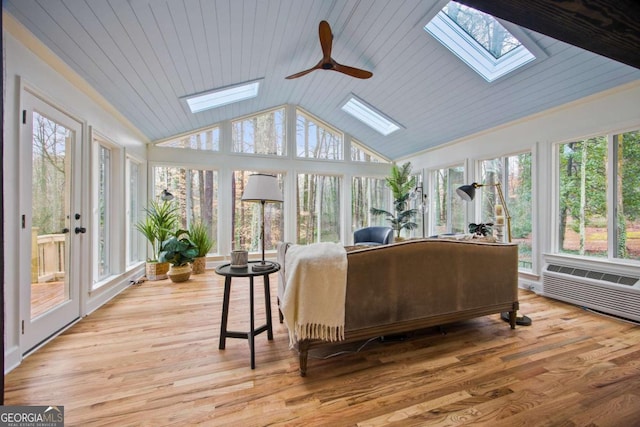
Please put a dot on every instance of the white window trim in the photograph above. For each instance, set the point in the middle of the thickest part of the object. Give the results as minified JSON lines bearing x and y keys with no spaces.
{"x":465,"y":47}
{"x":116,"y":226}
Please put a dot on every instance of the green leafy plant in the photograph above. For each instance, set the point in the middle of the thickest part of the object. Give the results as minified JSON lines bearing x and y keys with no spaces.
{"x":201,"y":237}
{"x":156,"y":226}
{"x":178,"y":249}
{"x":401,"y":183}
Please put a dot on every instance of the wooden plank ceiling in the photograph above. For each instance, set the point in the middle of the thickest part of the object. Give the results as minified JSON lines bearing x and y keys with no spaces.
{"x":144,"y":55}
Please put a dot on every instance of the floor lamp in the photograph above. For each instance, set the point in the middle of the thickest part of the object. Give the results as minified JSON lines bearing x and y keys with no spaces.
{"x":468,"y":193}
{"x":262,"y":188}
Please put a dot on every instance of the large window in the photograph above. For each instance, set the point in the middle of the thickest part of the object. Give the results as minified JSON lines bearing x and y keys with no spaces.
{"x":206,"y":139}
{"x":107,"y":224}
{"x":447,"y":209}
{"x":318,"y":208}
{"x":260,"y":134}
{"x":359,"y":153}
{"x":367,"y":193}
{"x":196,"y":193}
{"x":134,"y":211}
{"x":247,"y":217}
{"x":514,"y":175}
{"x":592,"y":222}
{"x":104,"y":217}
{"x":315,"y":140}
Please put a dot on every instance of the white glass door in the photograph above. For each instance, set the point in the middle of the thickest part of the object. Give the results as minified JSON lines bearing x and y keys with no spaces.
{"x":52,"y":224}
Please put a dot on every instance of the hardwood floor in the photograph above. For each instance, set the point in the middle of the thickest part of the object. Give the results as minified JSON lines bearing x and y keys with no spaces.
{"x":150,"y":357}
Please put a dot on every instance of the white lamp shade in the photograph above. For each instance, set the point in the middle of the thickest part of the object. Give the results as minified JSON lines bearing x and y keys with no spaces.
{"x":262,"y":187}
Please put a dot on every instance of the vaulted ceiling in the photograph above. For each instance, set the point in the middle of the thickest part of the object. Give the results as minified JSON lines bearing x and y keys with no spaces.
{"x":143,"y":56}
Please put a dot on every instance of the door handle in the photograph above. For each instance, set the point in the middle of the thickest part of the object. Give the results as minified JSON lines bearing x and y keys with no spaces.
{"x":65,"y":230}
{"x":79,"y":230}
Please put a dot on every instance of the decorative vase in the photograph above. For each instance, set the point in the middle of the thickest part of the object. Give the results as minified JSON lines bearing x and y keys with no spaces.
{"x":199,"y":265}
{"x":156,"y":270}
{"x":179,"y":273}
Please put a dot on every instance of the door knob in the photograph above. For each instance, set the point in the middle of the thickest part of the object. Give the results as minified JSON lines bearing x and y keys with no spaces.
{"x":80,"y":230}
{"x":65,"y":230}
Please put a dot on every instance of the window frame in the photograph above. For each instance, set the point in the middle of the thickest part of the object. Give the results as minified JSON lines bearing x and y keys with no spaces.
{"x":611,"y":200}
{"x":506,"y":190}
{"x":116,"y":225}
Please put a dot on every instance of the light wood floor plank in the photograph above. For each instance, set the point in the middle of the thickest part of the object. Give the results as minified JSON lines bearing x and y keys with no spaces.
{"x":150,"y":357}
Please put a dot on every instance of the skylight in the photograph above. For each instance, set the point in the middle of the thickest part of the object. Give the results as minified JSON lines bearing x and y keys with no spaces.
{"x":223,"y":96}
{"x":370,"y":116}
{"x":479,"y":40}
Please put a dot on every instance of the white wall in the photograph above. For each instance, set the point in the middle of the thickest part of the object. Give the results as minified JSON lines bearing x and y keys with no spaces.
{"x":60,"y":86}
{"x":616,"y":110}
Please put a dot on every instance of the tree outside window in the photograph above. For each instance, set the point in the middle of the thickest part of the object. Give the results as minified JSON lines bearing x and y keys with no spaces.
{"x":366,"y":193}
{"x":196,"y":193}
{"x":317,"y":141}
{"x":260,"y":134}
{"x":447,"y":209}
{"x":247,"y":219}
{"x":514,"y":175}
{"x":318,"y":208}
{"x":585,"y":209}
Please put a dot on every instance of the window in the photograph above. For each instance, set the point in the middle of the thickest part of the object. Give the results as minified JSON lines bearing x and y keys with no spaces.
{"x":247,"y":218}
{"x":592,"y":222}
{"x":627,"y":195}
{"x":318,"y":208}
{"x":107,"y":223}
{"x":447,"y":209}
{"x":196,"y":193}
{"x":370,"y":116}
{"x":317,"y":141}
{"x":260,"y":134}
{"x":514,"y":175}
{"x":104,"y":200}
{"x":134,"y":212}
{"x":360,"y":154}
{"x":367,"y":193}
{"x":207,"y":139}
{"x":480,"y":41}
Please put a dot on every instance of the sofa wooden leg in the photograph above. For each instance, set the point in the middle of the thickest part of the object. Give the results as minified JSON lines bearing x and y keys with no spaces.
{"x":303,"y":349}
{"x":280,"y":316}
{"x":512,"y":319}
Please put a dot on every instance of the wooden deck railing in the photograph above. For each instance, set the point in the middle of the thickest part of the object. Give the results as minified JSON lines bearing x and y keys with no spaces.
{"x":47,"y":257}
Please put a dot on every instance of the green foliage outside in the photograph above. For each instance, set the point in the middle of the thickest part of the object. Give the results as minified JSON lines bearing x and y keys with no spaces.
{"x":583,"y":191}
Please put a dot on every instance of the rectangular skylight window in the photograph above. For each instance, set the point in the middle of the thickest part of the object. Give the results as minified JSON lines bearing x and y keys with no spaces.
{"x":370,"y":116}
{"x":479,"y":40}
{"x":223,"y":96}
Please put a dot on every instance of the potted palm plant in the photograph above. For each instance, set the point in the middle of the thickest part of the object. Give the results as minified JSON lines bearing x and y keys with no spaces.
{"x":179,"y":251}
{"x":161,"y":218}
{"x":201,"y":237}
{"x":401,"y":183}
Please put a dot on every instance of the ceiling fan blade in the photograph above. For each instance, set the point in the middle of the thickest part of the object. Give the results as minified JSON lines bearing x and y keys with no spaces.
{"x":351,"y":71}
{"x":302,"y":73}
{"x":326,"y":39}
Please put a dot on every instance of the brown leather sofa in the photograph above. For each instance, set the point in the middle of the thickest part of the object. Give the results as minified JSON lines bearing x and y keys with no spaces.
{"x":410,"y":285}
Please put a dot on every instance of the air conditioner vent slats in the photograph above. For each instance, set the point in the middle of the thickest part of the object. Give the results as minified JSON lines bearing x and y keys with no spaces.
{"x":609,"y":293}
{"x":592,"y":274}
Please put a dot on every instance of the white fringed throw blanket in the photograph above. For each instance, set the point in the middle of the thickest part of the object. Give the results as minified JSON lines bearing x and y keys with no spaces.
{"x":314,"y":297}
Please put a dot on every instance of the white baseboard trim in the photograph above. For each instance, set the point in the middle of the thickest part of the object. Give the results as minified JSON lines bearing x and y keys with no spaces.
{"x":12,"y":359}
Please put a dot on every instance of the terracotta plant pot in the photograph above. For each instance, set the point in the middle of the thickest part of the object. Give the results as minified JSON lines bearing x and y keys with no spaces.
{"x":156,"y":270}
{"x":179,"y":274}
{"x":199,"y":265}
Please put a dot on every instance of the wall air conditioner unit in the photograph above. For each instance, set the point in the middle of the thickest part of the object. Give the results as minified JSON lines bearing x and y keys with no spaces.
{"x":615,"y":294}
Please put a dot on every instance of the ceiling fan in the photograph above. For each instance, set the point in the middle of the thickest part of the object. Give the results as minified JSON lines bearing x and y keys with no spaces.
{"x":327,"y":62}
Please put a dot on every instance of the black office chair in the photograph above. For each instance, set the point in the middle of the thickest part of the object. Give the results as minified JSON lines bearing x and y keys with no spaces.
{"x":372,"y":236}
